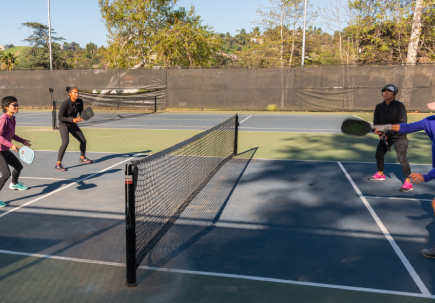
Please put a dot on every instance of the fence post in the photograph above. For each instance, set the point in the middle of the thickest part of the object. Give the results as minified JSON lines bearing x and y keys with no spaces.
{"x":130,"y":224}
{"x":155,"y":104}
{"x":236,"y":134}
{"x":53,"y":114}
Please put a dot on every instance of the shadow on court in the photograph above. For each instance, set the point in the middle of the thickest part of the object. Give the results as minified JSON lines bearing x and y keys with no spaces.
{"x":202,"y":214}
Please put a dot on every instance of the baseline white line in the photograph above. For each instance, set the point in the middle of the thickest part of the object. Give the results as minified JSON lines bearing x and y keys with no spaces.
{"x":214,"y":274}
{"x":330,"y":161}
{"x":245,"y":119}
{"x":263,"y":279}
{"x":62,"y":188}
{"x":388,"y":236}
{"x":396,"y":198}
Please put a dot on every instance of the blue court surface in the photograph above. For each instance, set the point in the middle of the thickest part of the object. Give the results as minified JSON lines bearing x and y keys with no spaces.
{"x":191,"y":121}
{"x":316,"y":224}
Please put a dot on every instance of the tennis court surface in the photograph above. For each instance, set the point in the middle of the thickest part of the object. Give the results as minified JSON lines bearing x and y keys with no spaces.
{"x":260,"y":230}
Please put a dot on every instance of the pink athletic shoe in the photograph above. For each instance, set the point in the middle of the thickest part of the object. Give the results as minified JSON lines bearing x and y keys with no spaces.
{"x":377,"y":177}
{"x":407,"y":186}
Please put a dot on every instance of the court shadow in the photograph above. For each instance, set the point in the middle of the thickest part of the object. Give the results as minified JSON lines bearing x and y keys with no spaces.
{"x":50,"y":187}
{"x":110,"y":157}
{"x":202,"y":214}
{"x":427,"y":207}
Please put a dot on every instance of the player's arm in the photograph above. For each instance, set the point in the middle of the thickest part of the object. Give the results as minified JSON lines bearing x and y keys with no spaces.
{"x":404,"y":128}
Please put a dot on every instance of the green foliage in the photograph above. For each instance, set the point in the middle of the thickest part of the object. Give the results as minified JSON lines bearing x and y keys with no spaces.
{"x":186,"y":43}
{"x":153,"y":32}
{"x":131,"y":25}
{"x":8,"y":60}
{"x":39,"y":36}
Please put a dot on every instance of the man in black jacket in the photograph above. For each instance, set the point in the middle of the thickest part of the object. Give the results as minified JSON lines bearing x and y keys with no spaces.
{"x":391,"y":111}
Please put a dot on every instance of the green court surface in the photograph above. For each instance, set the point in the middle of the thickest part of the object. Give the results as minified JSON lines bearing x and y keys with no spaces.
{"x":29,"y":279}
{"x":271,"y":145}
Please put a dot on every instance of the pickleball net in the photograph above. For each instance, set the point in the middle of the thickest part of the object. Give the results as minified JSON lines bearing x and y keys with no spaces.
{"x":159,"y":187}
{"x":107,"y":110}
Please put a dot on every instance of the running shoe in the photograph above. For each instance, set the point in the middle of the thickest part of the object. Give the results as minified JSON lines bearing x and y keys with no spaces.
{"x":428,"y":252}
{"x":85,"y":160}
{"x":2,"y":204}
{"x":18,"y":186}
{"x":407,"y":186}
{"x":59,"y":167}
{"x":377,"y":177}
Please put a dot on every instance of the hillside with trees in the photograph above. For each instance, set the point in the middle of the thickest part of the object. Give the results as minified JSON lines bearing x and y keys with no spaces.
{"x":155,"y":33}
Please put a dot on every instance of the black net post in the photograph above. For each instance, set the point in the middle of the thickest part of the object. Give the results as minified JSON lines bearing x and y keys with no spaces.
{"x":236,"y":134}
{"x":53,"y":114}
{"x":130,"y":224}
{"x":155,"y":104}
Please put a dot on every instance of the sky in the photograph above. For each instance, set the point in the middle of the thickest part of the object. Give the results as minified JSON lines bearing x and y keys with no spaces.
{"x":80,"y":20}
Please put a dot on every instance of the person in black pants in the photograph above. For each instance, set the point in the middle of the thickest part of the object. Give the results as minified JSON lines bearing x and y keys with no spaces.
{"x":391,"y":111}
{"x":69,"y":109}
{"x":7,"y":134}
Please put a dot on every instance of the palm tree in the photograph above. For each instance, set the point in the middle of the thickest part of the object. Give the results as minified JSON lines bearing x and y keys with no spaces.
{"x":8,"y":61}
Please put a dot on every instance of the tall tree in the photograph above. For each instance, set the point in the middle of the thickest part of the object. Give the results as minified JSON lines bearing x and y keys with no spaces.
{"x":37,"y":56}
{"x":39,"y":36}
{"x":131,"y":25}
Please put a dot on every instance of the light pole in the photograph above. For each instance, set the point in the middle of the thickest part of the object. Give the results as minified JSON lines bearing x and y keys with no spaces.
{"x":49,"y":36}
{"x":303,"y":37}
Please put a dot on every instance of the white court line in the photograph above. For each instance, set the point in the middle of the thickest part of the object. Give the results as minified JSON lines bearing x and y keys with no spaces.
{"x":62,"y":188}
{"x":396,"y":198}
{"x":326,"y":161}
{"x":362,"y":119}
{"x":245,"y":119}
{"x":174,"y":119}
{"x":36,"y":124}
{"x":325,"y":129}
{"x":26,"y":115}
{"x":388,"y":236}
{"x":214,"y":274}
{"x":148,"y":125}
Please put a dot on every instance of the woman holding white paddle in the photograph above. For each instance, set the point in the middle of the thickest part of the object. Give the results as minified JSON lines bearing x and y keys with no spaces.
{"x":7,"y":134}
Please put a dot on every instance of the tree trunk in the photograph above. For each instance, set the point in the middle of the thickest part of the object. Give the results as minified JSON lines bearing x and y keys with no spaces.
{"x":411,"y":58}
{"x":415,"y":32}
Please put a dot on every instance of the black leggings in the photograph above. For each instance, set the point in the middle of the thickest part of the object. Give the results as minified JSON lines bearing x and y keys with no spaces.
{"x":8,"y":158}
{"x":76,"y":132}
{"x":401,"y":146}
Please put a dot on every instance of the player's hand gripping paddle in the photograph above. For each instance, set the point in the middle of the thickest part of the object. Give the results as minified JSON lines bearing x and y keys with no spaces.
{"x":358,"y":127}
{"x":87,"y":114}
{"x":27,"y":154}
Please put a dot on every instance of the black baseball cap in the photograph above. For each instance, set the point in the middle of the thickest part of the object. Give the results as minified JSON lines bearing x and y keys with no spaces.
{"x":391,"y":87}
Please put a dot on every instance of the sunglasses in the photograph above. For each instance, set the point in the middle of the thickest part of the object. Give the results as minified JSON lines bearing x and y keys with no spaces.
{"x":14,"y":104}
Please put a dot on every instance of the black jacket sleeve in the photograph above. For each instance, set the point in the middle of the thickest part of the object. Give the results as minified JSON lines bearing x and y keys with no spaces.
{"x":63,"y":115}
{"x":402,"y":115}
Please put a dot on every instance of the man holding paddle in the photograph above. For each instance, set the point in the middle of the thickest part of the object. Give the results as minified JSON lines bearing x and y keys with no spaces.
{"x":391,"y":111}
{"x":428,"y":125}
